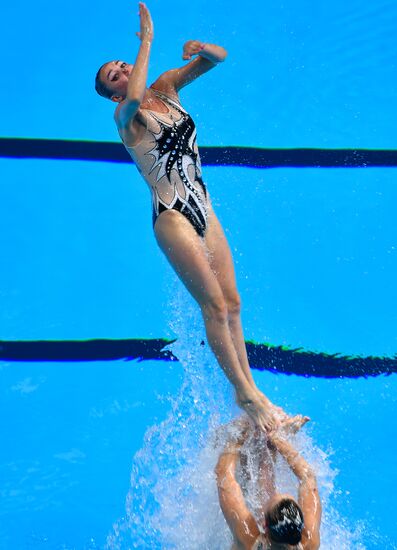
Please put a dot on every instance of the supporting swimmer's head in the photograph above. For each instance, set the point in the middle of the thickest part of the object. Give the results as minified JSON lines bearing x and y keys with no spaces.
{"x":284,"y":520}
{"x":111,"y":80}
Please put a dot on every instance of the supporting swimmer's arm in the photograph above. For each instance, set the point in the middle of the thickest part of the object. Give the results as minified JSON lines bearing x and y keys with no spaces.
{"x":295,"y":461}
{"x":138,"y":77}
{"x":310,"y":503}
{"x":266,"y":476}
{"x":309,"y":499}
{"x":240,"y":520}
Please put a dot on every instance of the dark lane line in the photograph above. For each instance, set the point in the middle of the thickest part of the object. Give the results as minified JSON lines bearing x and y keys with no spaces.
{"x":276,"y":359}
{"x":253,"y":157}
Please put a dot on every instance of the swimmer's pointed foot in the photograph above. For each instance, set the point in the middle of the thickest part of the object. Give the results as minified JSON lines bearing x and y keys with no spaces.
{"x":293,"y":424}
{"x":260,"y":412}
{"x":280,"y":414}
{"x":277,"y":411}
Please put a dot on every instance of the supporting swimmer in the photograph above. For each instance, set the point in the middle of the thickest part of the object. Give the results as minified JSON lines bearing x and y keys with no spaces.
{"x":284,"y":523}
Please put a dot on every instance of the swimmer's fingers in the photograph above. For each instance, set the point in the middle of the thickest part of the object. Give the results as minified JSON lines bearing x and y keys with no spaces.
{"x":261,"y":424}
{"x":265,"y":423}
{"x":293,"y":424}
{"x":146,"y":31}
{"x":191,"y":47}
{"x":271,"y":434}
{"x":245,"y":429}
{"x":243,"y":422}
{"x":242,"y":427}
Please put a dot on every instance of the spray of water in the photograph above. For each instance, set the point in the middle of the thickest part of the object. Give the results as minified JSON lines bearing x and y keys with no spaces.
{"x":172,"y":502}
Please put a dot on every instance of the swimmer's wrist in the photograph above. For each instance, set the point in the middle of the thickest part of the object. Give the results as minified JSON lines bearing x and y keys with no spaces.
{"x":147,"y":42}
{"x":203,"y":53}
{"x":215,"y":54}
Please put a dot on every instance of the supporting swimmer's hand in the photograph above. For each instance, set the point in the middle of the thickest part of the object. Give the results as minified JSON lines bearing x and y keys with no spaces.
{"x":293,"y":424}
{"x":192,"y":47}
{"x":288,"y":427}
{"x":146,"y":32}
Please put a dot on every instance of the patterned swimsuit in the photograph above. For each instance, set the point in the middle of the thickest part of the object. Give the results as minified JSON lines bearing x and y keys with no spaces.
{"x":168,"y":159}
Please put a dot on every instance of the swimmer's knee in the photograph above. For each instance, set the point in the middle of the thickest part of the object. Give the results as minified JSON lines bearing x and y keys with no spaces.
{"x":233,"y":303}
{"x":215,"y":309}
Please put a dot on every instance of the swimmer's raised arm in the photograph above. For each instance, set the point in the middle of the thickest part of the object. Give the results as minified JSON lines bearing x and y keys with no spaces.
{"x":237,"y":515}
{"x":266,"y":460}
{"x":309,"y":499}
{"x":138,"y":77}
{"x":208,"y":56}
{"x":294,"y":460}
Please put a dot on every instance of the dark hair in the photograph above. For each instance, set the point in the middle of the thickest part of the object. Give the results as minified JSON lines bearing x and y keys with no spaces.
{"x":285,"y":522}
{"x":101,"y":88}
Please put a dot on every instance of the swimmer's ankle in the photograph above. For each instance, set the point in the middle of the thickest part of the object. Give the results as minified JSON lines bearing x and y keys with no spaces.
{"x":246,"y":398}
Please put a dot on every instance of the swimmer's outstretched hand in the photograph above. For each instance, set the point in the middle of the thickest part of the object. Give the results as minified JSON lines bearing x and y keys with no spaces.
{"x":146,"y":32}
{"x":192,"y":47}
{"x":293,"y":424}
{"x":290,"y":426}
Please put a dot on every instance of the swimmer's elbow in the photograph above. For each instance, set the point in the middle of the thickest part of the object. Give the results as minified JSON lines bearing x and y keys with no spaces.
{"x":224,"y":56}
{"x":220,"y":472}
{"x":308,"y":483}
{"x":221,"y":55}
{"x":314,"y":542}
{"x":309,"y":475}
{"x":227,"y":487}
{"x":224,"y":471}
{"x":213,"y":53}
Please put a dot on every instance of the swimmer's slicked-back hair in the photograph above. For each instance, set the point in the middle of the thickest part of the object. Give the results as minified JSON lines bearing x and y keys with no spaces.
{"x":285,"y":522}
{"x":100,"y":87}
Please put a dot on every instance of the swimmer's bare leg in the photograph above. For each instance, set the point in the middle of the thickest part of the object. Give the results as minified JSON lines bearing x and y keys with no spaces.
{"x":187,"y":254}
{"x":221,"y":262}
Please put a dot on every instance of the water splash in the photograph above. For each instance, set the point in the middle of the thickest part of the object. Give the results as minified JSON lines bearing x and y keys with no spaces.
{"x":172,"y":502}
{"x":173,"y":471}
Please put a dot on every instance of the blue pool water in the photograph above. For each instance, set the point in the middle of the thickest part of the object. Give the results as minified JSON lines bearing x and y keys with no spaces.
{"x":119,"y":454}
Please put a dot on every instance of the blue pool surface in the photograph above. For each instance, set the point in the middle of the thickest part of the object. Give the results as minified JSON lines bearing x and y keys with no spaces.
{"x":119,"y":454}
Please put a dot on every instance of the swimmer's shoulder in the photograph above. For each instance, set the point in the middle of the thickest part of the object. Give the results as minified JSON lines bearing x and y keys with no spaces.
{"x":238,"y":546}
{"x":165,"y":84}
{"x":313,"y":544}
{"x":259,"y":544}
{"x":132,"y":132}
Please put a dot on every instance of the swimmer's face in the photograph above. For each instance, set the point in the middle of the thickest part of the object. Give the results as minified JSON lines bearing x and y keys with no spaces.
{"x":115,"y":76}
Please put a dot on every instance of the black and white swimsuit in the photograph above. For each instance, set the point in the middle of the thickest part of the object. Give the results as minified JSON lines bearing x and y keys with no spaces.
{"x":168,"y":159}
